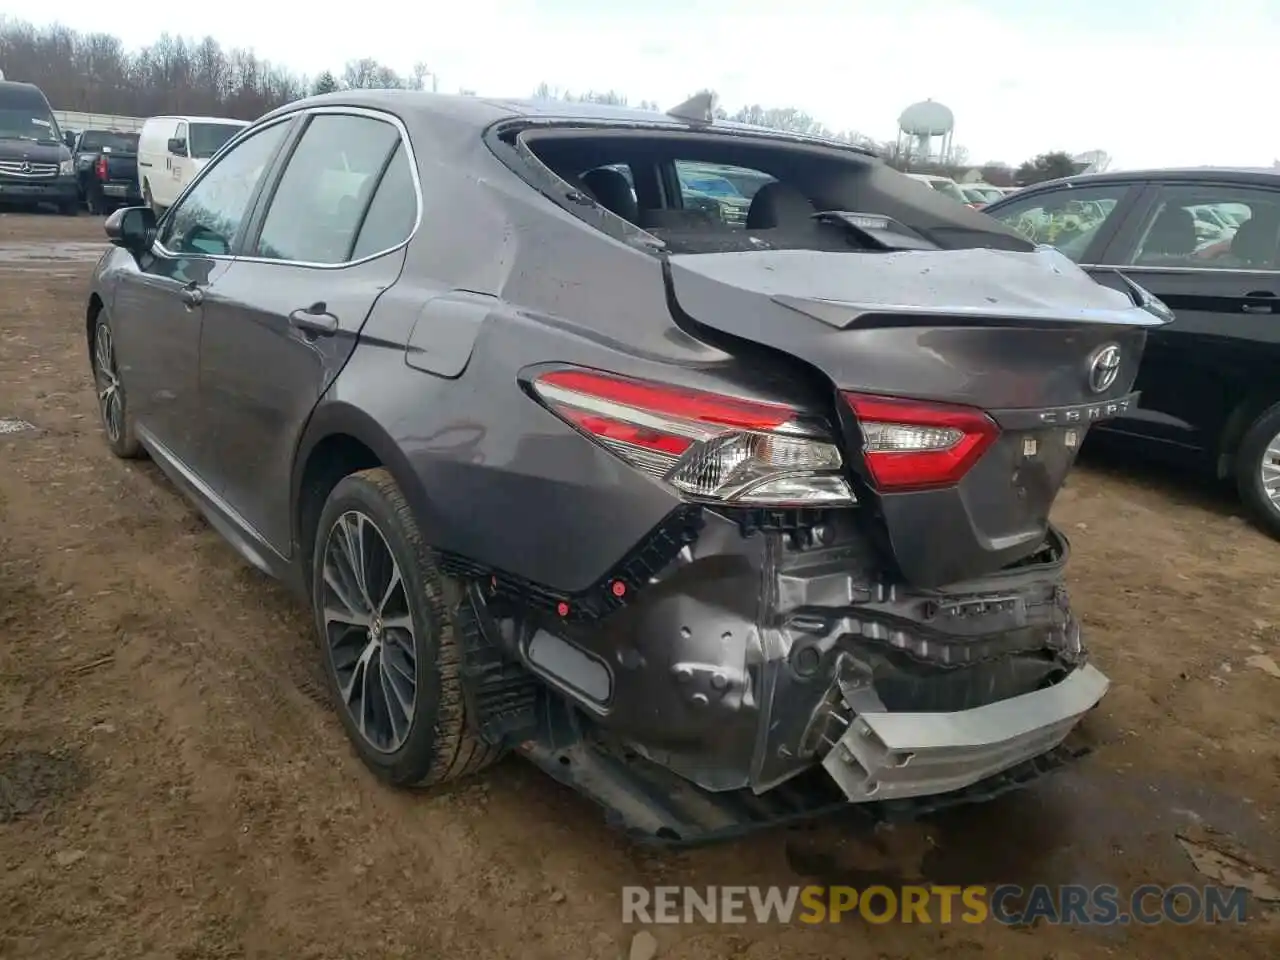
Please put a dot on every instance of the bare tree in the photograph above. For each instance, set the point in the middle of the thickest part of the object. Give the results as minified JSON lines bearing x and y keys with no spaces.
{"x":94,"y":73}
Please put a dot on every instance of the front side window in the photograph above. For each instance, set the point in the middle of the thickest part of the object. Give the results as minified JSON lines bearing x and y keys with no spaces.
{"x":1210,"y":226}
{"x":722,"y":190}
{"x":1068,"y":218}
{"x":323,"y":193}
{"x":208,"y":218}
{"x":206,"y":139}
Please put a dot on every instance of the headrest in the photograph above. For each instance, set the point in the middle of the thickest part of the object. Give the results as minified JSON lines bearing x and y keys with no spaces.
{"x":613,"y":191}
{"x":778,"y":204}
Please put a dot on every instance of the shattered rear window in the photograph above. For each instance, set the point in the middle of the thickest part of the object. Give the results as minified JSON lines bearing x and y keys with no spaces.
{"x":711,"y":192}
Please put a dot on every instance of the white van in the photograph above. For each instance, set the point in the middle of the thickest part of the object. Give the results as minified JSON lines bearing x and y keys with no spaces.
{"x":171,"y":150}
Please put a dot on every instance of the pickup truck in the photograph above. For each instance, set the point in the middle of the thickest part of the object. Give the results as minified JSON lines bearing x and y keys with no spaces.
{"x":107,"y":169}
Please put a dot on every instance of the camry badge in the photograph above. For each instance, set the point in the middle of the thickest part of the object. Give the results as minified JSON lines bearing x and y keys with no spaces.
{"x":1104,"y":368}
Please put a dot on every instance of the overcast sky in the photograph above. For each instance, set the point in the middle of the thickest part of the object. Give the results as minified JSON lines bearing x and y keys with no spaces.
{"x":1153,"y":82}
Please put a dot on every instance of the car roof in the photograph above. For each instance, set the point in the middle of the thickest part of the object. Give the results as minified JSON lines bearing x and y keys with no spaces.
{"x":1256,"y":175}
{"x":188,"y":119}
{"x":483,"y":111}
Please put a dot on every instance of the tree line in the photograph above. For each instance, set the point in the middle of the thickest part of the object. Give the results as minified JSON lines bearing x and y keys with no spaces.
{"x":95,"y":73}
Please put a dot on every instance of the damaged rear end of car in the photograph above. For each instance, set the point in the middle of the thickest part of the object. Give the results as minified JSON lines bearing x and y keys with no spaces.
{"x":857,"y":596}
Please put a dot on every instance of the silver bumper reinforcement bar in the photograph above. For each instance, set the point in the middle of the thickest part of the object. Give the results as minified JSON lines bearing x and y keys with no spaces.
{"x":886,"y":756}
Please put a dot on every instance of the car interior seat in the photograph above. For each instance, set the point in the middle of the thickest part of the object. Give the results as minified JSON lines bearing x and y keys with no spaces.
{"x":779,"y":205}
{"x":1254,"y":243}
{"x":613,"y":192}
{"x":1172,"y":236}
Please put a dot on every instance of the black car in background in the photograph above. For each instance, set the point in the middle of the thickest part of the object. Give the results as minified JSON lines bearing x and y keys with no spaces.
{"x":35,"y":164}
{"x":107,"y":169}
{"x":1205,"y":241}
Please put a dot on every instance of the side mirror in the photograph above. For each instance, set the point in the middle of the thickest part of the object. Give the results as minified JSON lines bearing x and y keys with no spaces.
{"x":178,"y":146}
{"x":69,"y":138}
{"x":132,"y":228}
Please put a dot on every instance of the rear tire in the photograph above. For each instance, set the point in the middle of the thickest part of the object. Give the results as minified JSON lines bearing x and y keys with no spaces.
{"x":113,"y":408}
{"x":374,"y":615}
{"x":1259,"y":454}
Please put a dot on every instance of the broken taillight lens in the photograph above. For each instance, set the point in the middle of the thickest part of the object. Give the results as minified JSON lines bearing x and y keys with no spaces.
{"x":917,"y":445}
{"x":707,"y":446}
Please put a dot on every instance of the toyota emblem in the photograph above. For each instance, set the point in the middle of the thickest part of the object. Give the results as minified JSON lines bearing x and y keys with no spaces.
{"x":1104,"y":368}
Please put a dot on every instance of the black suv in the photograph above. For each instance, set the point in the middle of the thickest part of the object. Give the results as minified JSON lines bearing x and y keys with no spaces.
{"x":35,"y":164}
{"x":720,"y":519}
{"x":1205,"y":241}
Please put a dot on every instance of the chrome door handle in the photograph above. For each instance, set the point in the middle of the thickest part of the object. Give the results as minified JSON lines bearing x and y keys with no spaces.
{"x":192,"y":296}
{"x":314,"y":321}
{"x":1264,"y":302}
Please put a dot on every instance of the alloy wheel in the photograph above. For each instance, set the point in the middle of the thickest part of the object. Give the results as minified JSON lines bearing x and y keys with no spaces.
{"x":1269,"y":470}
{"x":369,"y":632}
{"x":107,"y":379}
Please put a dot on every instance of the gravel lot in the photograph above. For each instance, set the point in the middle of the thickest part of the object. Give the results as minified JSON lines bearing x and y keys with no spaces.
{"x":172,"y":784}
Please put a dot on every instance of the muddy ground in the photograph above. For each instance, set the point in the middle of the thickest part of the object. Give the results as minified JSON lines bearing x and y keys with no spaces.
{"x":172,"y":786}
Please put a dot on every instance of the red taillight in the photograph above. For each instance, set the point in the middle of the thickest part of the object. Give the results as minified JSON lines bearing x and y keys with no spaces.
{"x":916,"y":445}
{"x":101,"y":167}
{"x":706,"y":445}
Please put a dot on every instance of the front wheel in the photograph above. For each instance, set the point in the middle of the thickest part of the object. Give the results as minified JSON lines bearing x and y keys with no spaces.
{"x":1258,"y":470}
{"x":117,"y":423}
{"x":389,"y":639}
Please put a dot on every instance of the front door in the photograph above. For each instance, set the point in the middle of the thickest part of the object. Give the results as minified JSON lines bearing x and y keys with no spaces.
{"x":315,"y":261}
{"x":164,"y":303}
{"x":160,"y":305}
{"x":1209,"y":251}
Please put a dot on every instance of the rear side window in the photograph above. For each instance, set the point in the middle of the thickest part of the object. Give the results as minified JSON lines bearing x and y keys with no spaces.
{"x":320,"y":200}
{"x":1211,"y":226}
{"x":392,"y":212}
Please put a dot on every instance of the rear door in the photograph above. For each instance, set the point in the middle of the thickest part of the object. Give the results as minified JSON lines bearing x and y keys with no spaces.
{"x":325,"y":242}
{"x":1222,"y":282}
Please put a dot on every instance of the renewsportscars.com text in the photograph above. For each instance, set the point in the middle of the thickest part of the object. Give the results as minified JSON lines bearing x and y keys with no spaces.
{"x":1070,"y":904}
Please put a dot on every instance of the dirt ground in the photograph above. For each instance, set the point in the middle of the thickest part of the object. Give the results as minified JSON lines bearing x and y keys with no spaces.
{"x":172,"y":786}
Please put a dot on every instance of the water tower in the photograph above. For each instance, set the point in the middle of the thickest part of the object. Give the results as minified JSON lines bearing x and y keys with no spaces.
{"x":924,"y":132}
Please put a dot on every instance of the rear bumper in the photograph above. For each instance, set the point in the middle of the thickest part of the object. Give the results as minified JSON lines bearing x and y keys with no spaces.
{"x":125,"y":191}
{"x":893,"y":756}
{"x":752,"y":660}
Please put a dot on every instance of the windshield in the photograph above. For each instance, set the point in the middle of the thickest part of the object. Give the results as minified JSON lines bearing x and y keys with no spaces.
{"x":28,"y":124}
{"x":207,"y":138}
{"x":94,"y":141}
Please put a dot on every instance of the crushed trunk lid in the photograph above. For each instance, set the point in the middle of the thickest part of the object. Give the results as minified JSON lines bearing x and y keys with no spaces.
{"x":1010,"y":333}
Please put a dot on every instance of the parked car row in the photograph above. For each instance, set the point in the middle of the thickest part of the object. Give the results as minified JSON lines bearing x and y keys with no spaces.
{"x":98,"y":169}
{"x":975,"y":195}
